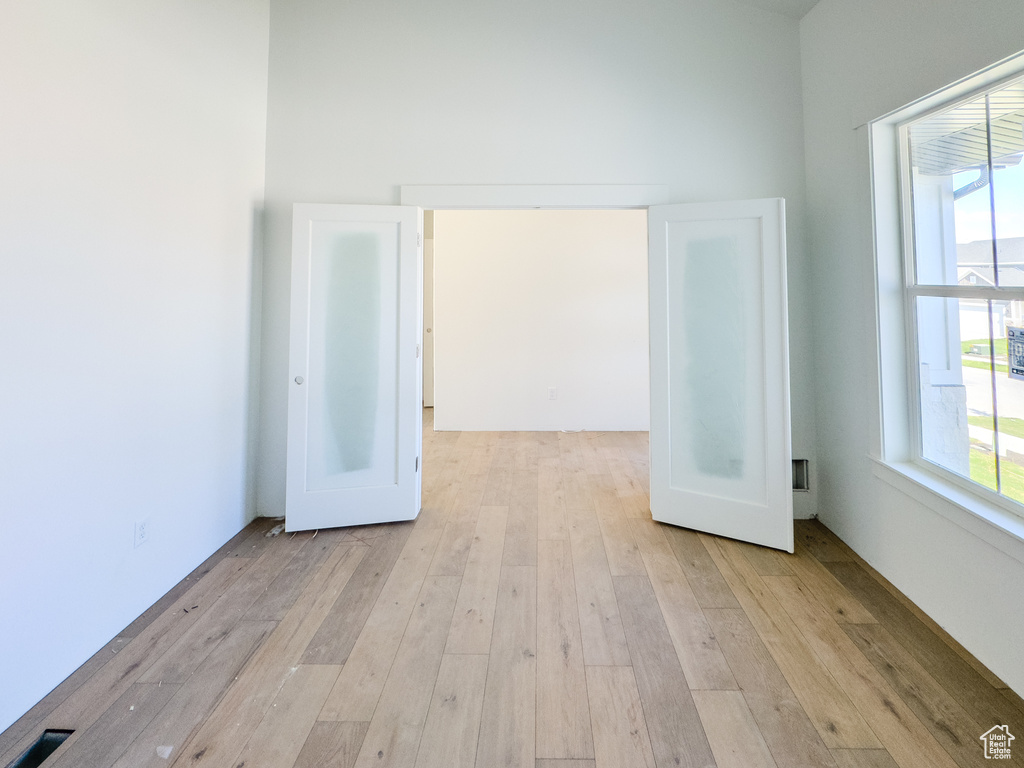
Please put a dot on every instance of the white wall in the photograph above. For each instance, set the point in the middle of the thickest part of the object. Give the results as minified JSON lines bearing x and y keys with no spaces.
{"x":862,"y":60}
{"x":528,"y":300}
{"x":132,"y":150}
{"x":702,"y":96}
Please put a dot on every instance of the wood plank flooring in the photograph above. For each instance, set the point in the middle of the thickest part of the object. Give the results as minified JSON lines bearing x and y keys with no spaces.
{"x":532,"y":616}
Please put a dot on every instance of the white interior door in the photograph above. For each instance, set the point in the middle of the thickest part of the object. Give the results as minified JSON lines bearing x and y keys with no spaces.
{"x":720,"y":429}
{"x":354,"y":418}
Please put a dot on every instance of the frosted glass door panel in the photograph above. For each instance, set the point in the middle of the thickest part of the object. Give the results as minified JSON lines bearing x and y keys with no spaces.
{"x":353,"y":356}
{"x":720,"y":440}
{"x":716,"y":359}
{"x":355,"y":380}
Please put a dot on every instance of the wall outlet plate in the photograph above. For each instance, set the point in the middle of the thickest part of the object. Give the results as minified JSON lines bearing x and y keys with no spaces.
{"x":141,"y":532}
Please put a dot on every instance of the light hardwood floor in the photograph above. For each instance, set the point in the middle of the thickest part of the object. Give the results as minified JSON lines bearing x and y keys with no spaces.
{"x":535,"y":616}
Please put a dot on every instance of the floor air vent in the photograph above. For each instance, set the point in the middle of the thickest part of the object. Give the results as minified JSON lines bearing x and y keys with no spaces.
{"x":43,"y":747}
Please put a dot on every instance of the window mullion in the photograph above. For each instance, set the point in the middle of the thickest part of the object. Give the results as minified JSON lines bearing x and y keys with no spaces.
{"x":995,"y":398}
{"x":991,"y":188}
{"x":982,"y":293}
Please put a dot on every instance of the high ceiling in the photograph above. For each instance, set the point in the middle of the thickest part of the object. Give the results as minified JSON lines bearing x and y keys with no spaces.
{"x":795,"y":9}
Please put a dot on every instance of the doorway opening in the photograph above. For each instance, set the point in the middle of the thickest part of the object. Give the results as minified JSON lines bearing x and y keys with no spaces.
{"x":536,"y":320}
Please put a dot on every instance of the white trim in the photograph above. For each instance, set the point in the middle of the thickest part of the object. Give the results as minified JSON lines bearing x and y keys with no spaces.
{"x":982,"y":292}
{"x":1003,"y":530}
{"x":468,"y":197}
{"x":895,"y":442}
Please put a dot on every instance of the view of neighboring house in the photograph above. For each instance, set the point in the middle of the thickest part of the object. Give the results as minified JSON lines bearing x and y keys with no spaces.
{"x":974,"y":266}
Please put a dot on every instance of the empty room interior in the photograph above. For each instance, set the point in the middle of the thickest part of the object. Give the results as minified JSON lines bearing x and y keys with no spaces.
{"x":548,"y":585}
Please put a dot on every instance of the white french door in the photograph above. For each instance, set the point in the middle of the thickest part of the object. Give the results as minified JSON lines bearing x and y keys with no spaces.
{"x":720,"y":423}
{"x":720,"y":426}
{"x":354,"y":418}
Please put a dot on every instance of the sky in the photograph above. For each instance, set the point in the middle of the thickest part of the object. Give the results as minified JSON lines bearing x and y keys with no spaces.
{"x":972,"y":212}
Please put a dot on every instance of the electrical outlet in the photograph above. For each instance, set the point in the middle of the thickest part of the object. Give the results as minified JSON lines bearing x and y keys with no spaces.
{"x":141,"y":532}
{"x":552,"y":393}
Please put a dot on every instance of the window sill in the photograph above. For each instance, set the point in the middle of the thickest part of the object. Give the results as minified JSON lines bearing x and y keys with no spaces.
{"x":998,"y":527}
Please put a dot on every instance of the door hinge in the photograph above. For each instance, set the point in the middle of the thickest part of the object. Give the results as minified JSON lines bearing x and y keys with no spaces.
{"x":419,"y":239}
{"x":417,"y":463}
{"x":417,"y":351}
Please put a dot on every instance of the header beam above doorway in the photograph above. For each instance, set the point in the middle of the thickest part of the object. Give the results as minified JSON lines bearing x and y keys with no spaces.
{"x":468,"y":196}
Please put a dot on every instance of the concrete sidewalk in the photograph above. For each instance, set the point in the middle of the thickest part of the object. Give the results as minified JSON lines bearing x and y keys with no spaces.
{"x":1006,"y":442}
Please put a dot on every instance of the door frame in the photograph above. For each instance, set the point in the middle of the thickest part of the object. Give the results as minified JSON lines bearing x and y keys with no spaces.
{"x":504,"y":197}
{"x":526,"y":196}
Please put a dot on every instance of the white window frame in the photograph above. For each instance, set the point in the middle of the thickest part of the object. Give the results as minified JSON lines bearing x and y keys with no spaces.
{"x":898,"y":461}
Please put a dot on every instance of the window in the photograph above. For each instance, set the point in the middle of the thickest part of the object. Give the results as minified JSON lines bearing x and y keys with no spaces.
{"x":962,"y":201}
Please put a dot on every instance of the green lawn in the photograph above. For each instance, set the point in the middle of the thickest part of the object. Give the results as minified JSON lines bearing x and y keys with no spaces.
{"x":1007,"y":425}
{"x":984,"y":364}
{"x":1000,"y":345}
{"x":983,"y":471}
